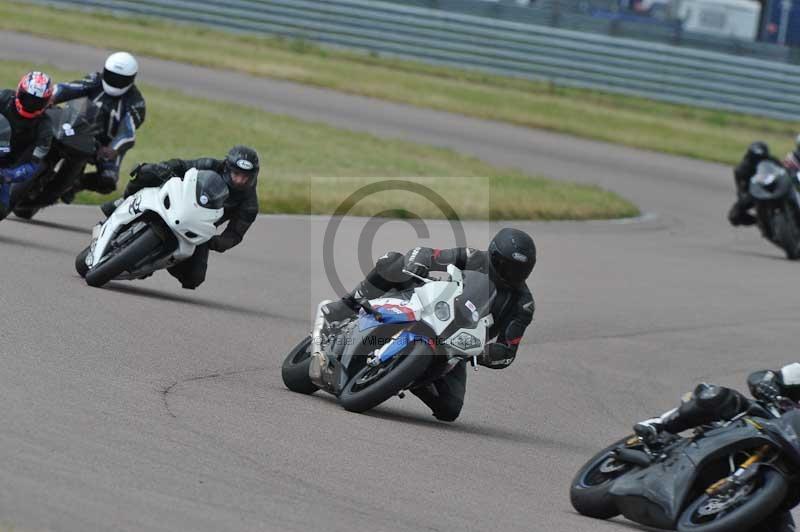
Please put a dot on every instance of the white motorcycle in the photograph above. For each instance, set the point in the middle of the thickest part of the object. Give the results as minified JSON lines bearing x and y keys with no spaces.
{"x":396,"y":343}
{"x":154,"y":229}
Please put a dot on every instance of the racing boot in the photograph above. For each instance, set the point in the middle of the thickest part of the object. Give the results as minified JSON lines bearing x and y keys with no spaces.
{"x":649,"y":429}
{"x":68,"y":196}
{"x":738,"y":214}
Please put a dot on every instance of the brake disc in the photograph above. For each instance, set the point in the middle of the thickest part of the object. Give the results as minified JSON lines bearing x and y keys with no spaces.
{"x":718,"y":504}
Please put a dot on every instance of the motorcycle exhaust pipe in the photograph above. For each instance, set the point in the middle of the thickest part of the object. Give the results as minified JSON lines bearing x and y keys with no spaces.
{"x":318,"y":358}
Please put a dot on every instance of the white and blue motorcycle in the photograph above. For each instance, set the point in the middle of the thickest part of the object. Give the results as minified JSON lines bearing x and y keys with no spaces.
{"x":405,"y":340}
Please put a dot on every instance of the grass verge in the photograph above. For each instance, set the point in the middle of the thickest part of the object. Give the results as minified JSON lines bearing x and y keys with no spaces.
{"x":683,"y":130}
{"x":296,"y":153}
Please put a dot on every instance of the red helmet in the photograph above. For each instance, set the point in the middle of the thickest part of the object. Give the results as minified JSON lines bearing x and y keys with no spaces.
{"x":34,"y":92}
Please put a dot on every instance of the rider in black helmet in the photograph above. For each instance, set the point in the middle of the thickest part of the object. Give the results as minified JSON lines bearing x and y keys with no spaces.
{"x":756,"y":153}
{"x":239,"y":169}
{"x":508,"y":262}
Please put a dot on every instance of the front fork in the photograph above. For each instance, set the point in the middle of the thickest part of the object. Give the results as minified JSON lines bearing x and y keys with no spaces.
{"x":741,"y":475}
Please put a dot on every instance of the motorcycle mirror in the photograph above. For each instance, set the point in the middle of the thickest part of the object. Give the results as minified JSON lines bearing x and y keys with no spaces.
{"x":412,"y":274}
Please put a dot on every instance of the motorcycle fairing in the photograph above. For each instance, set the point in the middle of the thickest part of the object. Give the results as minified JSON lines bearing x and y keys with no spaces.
{"x":174,"y":202}
{"x":75,"y":125}
{"x":398,"y":343}
{"x":785,"y":431}
{"x":771,"y":182}
{"x":392,"y":310}
{"x":348,"y":352}
{"x":655,"y":496}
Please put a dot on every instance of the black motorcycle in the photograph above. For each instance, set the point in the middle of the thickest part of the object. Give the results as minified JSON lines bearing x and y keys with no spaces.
{"x":777,"y":199}
{"x":75,"y":129}
{"x":726,"y":477}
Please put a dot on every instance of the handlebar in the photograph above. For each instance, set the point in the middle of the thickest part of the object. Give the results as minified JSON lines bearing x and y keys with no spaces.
{"x":369,"y":309}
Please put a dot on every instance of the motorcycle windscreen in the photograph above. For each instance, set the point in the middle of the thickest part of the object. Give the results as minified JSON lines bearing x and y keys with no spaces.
{"x":5,"y":139}
{"x":476,"y":299}
{"x":77,"y":124}
{"x":771,"y":181}
{"x":212,"y":192}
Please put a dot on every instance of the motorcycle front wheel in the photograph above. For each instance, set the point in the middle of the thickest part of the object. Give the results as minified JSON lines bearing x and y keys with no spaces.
{"x":373,"y":385}
{"x":124,"y":258}
{"x":743,"y":508}
{"x":788,"y":233}
{"x":589,"y":492}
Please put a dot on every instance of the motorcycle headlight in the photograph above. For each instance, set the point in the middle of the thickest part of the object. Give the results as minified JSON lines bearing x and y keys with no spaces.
{"x":442,"y":311}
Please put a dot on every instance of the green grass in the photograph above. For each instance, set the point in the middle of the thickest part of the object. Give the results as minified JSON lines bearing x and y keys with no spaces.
{"x":311,"y":167}
{"x":694,"y":132}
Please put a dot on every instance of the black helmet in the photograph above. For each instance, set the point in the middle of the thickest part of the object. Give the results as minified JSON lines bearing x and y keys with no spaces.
{"x":513,"y":255}
{"x":242,"y":160}
{"x":757,"y":151}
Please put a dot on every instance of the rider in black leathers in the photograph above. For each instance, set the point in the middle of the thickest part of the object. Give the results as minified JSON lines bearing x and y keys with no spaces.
{"x":508,"y":262}
{"x":31,"y":133}
{"x":240,"y":170}
{"x":709,"y":403}
{"x":756,"y":153}
{"x":122,"y":112}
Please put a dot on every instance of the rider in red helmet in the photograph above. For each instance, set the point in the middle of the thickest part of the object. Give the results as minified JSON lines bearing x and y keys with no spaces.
{"x":27,"y":132}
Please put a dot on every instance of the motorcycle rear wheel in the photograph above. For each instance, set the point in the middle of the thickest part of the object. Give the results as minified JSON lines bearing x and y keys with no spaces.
{"x":295,"y":368}
{"x":125,"y":259}
{"x":372,"y":386}
{"x":766,"y":496}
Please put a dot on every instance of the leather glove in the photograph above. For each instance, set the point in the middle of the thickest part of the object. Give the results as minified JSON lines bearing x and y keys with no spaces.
{"x":106,"y":153}
{"x":496,"y":356}
{"x":156,"y":171}
{"x":219,"y":244}
{"x":417,"y":261}
{"x":766,"y":390}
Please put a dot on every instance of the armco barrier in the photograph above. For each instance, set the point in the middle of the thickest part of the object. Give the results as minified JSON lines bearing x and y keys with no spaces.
{"x":589,"y":60}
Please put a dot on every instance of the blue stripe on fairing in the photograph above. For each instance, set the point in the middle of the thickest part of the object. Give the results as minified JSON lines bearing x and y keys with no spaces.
{"x":399,"y":343}
{"x":368,"y":321}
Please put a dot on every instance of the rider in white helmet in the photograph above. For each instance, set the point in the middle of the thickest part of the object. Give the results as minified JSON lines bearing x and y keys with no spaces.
{"x":122,"y":111}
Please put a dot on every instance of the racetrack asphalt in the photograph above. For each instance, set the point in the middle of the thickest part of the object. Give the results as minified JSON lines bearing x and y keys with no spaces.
{"x":142,"y":406}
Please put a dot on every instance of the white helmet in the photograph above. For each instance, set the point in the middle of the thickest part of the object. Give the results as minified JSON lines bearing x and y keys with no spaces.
{"x":119,"y":73}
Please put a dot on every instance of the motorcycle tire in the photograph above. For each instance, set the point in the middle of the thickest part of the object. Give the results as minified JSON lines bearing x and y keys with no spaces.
{"x":757,"y":506}
{"x":126,"y":258}
{"x":80,"y":262}
{"x":789,"y":234}
{"x":589,"y":491}
{"x":372,"y":386}
{"x":294,"y":370}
